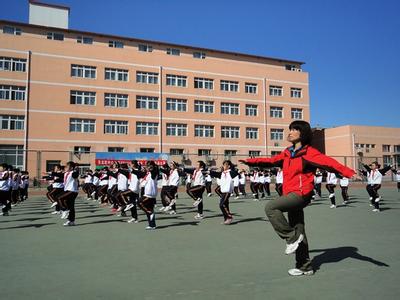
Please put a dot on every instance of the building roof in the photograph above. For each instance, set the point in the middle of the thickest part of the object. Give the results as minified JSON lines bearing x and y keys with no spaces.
{"x":49,"y":5}
{"x":245,"y":55}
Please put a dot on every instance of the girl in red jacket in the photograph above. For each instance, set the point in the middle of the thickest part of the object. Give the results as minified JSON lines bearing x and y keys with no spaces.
{"x":298,"y":163}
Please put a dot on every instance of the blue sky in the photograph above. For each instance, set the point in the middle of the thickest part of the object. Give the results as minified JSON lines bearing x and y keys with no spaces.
{"x":351,"y":48}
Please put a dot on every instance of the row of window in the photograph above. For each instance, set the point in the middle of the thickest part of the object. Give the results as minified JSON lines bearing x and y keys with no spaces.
{"x":388,"y":148}
{"x":82,"y":71}
{"x":57,"y":36}
{"x":178,"y":80}
{"x":172,"y":129}
{"x":119,"y":44}
{"x":172,"y":151}
{"x":13,"y":122}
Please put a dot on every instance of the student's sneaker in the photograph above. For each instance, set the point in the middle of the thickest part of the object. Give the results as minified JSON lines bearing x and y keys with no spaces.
{"x":256,"y":199}
{"x":69,"y":223}
{"x":57,"y":212}
{"x":209,"y":195}
{"x":197,"y":202}
{"x":162,"y":208}
{"x":332,"y":206}
{"x":370,"y":204}
{"x":122,"y":214}
{"x":237,"y":197}
{"x":291,"y":248}
{"x":114,"y":210}
{"x":133,"y":220}
{"x":64,"y":214}
{"x":228,"y":221}
{"x":53,"y":204}
{"x":89,"y":198}
{"x":150,"y":228}
{"x":378,"y":199}
{"x":198,"y":217}
{"x":4,"y":214}
{"x":172,"y":212}
{"x":128,"y":207}
{"x":345,"y":202}
{"x":376,"y":210}
{"x":298,"y":272}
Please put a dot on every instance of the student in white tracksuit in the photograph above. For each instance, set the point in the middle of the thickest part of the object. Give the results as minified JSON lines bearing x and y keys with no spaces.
{"x":149,"y":178}
{"x":344,"y":185}
{"x":396,"y":174}
{"x":70,"y":192}
{"x":226,"y":185}
{"x":331,"y":181}
{"x":374,"y":176}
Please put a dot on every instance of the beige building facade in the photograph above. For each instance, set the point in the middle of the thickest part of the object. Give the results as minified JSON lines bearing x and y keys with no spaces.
{"x":355,"y":145}
{"x":84,"y":92}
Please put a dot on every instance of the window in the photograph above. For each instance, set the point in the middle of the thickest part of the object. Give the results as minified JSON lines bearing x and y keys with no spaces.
{"x":229,"y":86}
{"x":250,"y":88}
{"x":251,"y":110}
{"x":387,"y":160}
{"x":173,"y":51}
{"x":83,"y":71}
{"x":200,"y":55}
{"x":116,"y":74}
{"x":84,"y":40}
{"x":204,"y":152}
{"x":147,"y":128}
{"x":176,"y":80}
{"x":229,"y":108}
{"x":174,"y":151}
{"x":176,"y":129}
{"x":297,"y":113}
{"x":385,"y":148}
{"x":55,"y":36}
{"x":115,"y":100}
{"x":251,"y":133}
{"x":203,"y":106}
{"x":276,"y":112}
{"x":275,"y":90}
{"x":204,"y":131}
{"x":12,"y":30}
{"x":273,"y":153}
{"x":115,"y":149}
{"x":230,"y":132}
{"x":147,"y":150}
{"x":82,"y":125}
{"x":50,"y":164}
{"x":229,"y":153}
{"x":253,"y":153}
{"x":295,"y":93}
{"x":83,"y":98}
{"x":146,"y":102}
{"x":397,"y":148}
{"x":115,"y":127}
{"x":276,"y":134}
{"x":81,"y":149}
{"x":146,"y":77}
{"x":12,"y":155}
{"x":203,"y":83}
{"x":145,"y":48}
{"x":176,"y":104}
{"x":12,"y":122}
{"x":11,"y":92}
{"x":12,"y":64}
{"x":115,"y":44}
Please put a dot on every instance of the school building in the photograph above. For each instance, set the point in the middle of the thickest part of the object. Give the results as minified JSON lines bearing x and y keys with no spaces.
{"x":355,"y":145}
{"x":63,"y":89}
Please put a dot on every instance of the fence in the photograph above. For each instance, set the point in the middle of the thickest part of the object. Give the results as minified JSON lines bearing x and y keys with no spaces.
{"x":39,"y":162}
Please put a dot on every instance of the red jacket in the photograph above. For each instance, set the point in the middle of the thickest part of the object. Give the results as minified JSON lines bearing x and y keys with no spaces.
{"x":298,"y":171}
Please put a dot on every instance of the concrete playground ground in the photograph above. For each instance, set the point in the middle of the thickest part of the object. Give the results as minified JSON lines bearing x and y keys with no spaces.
{"x":355,"y":253}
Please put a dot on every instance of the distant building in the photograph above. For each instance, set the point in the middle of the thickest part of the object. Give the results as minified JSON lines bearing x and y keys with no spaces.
{"x":360,"y":144}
